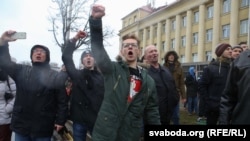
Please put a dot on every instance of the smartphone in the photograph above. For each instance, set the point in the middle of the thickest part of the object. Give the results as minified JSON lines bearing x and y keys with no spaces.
{"x":19,"y":35}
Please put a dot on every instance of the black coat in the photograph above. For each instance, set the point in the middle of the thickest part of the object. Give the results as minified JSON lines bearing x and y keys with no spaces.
{"x":234,"y":107}
{"x":212,"y":84}
{"x":87,"y":90}
{"x":41,"y":99}
{"x":166,"y":91}
{"x":191,"y":85}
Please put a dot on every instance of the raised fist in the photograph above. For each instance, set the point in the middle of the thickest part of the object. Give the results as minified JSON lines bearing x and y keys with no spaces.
{"x":98,"y":11}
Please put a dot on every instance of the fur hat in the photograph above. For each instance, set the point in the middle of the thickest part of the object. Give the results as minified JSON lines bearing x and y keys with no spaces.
{"x":42,"y":47}
{"x":221,"y":48}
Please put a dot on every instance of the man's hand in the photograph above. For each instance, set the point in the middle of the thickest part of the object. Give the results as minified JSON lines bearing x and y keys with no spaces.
{"x":98,"y":11}
{"x":79,"y":35}
{"x":58,"y":127}
{"x":6,"y":37}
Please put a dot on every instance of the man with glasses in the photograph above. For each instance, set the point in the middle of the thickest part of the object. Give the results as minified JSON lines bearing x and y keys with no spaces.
{"x":41,"y":101}
{"x":130,"y":93}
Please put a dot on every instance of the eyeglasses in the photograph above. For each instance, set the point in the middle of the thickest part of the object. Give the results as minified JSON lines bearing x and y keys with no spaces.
{"x":125,"y":45}
{"x":39,"y":51}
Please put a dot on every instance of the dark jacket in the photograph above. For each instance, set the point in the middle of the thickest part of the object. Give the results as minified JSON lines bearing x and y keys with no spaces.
{"x":166,"y":91}
{"x":118,"y":120}
{"x":191,"y":85}
{"x":213,"y":82}
{"x":87,"y":90}
{"x":234,"y":107}
{"x":41,"y":100}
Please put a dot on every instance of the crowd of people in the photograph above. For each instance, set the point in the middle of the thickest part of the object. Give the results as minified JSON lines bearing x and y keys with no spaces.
{"x":115,"y":100}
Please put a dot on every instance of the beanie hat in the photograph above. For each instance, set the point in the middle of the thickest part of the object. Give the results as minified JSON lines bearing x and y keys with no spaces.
{"x":42,"y":47}
{"x":84,"y":53}
{"x":237,"y":46}
{"x":221,"y":48}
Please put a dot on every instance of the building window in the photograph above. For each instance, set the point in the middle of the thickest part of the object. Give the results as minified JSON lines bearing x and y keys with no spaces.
{"x":135,"y":19}
{"x":194,"y":57}
{"x":163,"y":45}
{"x":172,"y":43}
{"x":183,"y":41}
{"x":209,"y":34}
{"x":183,"y":59}
{"x":226,"y":6}
{"x":163,"y":28}
{"x":155,"y":31}
{"x":225,"y":31}
{"x":244,"y":26}
{"x":173,"y":25}
{"x":184,"y":21}
{"x":210,"y":12}
{"x":124,"y":24}
{"x":130,"y":21}
{"x":244,"y":3}
{"x":196,"y":17}
{"x":195,"y":38}
{"x":208,"y":56}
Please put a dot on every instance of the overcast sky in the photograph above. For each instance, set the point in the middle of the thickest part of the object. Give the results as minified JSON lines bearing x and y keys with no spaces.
{"x":31,"y":16}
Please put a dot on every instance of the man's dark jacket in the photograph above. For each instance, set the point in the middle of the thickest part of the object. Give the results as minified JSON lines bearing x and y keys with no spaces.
{"x":234,"y":107}
{"x":87,"y":91}
{"x":41,"y":99}
{"x":166,"y":91}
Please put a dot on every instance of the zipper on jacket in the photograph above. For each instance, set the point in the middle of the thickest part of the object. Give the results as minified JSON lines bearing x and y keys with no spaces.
{"x":116,"y":84}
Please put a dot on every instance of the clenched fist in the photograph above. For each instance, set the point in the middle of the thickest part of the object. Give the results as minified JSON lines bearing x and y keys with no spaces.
{"x":98,"y":11}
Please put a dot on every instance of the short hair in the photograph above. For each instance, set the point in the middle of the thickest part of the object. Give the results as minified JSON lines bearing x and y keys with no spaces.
{"x":243,"y":42}
{"x":131,"y":36}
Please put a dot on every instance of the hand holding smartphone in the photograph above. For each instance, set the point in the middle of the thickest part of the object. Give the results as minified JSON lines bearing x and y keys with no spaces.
{"x":19,"y":35}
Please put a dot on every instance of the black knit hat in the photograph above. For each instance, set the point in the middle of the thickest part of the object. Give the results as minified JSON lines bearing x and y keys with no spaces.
{"x":85,"y":52}
{"x":42,"y":47}
{"x":221,"y":48}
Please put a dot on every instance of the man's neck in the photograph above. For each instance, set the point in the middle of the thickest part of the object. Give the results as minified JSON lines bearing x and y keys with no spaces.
{"x":132,"y":64}
{"x":155,"y":64}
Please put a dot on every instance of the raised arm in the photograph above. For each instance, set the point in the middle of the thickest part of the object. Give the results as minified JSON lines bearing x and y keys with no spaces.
{"x":5,"y":59}
{"x":95,"y":22}
{"x":67,"y":56}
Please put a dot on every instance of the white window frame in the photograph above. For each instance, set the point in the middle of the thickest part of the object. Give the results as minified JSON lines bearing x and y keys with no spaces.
{"x":196,"y":16}
{"x":194,"y":57}
{"x":195,"y":38}
{"x":244,"y":26}
{"x":184,"y":21}
{"x":225,"y":31}
{"x":209,"y":35}
{"x":173,"y":24}
{"x":226,"y":6}
{"x":208,"y":55}
{"x":210,"y":12}
{"x":172,"y":43}
{"x":183,"y":41}
{"x":244,"y":3}
{"x":182,"y":59}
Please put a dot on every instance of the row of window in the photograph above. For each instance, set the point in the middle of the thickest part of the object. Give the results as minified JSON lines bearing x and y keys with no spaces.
{"x":209,"y":33}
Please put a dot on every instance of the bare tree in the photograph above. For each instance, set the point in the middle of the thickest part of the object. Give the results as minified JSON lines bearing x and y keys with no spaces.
{"x":70,"y":16}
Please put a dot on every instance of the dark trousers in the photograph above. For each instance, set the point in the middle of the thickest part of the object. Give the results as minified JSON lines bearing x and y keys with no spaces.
{"x":212,"y":117}
{"x":5,"y":132}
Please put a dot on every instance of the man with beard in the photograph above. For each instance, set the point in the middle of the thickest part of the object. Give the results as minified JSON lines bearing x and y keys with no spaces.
{"x":130,"y":93}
